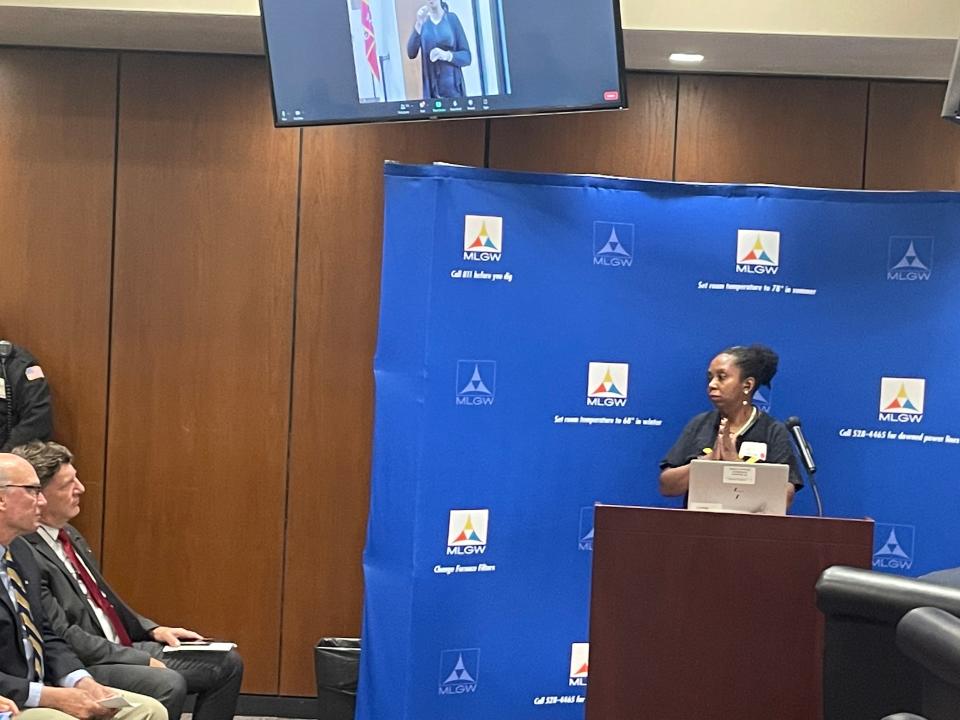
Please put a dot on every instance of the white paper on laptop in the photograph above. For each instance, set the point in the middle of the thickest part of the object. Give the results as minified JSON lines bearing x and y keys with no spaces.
{"x":729,"y":486}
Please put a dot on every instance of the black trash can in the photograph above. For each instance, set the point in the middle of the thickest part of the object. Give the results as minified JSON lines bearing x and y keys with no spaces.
{"x":337,"y":664}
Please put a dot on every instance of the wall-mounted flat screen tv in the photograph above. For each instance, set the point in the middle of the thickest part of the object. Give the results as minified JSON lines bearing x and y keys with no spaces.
{"x":348,"y":61}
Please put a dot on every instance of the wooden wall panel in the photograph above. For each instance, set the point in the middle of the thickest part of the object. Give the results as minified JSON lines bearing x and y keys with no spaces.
{"x":337,"y":309}
{"x":57,"y":124}
{"x":202,"y":326}
{"x":909,"y":146}
{"x":792,"y":131}
{"x":634,"y":143}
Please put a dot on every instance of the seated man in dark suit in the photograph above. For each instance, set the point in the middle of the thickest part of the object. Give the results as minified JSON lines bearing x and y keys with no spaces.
{"x":37,"y":668}
{"x":119,"y":646}
{"x":949,"y":577}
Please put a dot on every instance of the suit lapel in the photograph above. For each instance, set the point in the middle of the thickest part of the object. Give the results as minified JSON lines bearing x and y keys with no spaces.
{"x":127,"y":617}
{"x":84,"y":551}
{"x":86,"y":555}
{"x":15,"y":625}
{"x":43,"y":547}
{"x":5,"y":597}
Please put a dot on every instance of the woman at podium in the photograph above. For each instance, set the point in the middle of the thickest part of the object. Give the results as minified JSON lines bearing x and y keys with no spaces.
{"x":735,"y":429}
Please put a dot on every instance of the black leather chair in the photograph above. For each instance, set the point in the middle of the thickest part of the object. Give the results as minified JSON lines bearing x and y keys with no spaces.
{"x":867,"y":675}
{"x":931,"y":638}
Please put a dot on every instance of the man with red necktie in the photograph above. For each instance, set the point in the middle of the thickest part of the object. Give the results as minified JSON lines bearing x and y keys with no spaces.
{"x":39,"y":674}
{"x":119,"y":646}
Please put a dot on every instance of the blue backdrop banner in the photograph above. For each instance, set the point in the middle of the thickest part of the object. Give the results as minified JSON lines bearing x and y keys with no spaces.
{"x":543,"y":341}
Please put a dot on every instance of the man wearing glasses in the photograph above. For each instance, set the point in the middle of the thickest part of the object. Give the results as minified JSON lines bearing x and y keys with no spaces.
{"x":120,"y":647}
{"x":38,"y":671}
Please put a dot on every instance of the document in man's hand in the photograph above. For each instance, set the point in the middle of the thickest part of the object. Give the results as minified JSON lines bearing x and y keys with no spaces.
{"x":202,"y":645}
{"x":117,"y":702}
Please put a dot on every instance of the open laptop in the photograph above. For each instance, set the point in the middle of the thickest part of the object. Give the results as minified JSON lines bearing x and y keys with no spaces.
{"x":722,"y":485}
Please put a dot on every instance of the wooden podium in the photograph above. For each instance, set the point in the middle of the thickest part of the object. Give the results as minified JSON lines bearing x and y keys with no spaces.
{"x":701,"y":615}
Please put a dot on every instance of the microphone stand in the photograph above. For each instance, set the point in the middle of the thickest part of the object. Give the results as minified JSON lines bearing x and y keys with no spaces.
{"x":816,"y":491}
{"x":806,"y":458}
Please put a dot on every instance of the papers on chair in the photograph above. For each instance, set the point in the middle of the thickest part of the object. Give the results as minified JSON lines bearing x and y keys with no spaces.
{"x":203,"y":645}
{"x":117,"y":702}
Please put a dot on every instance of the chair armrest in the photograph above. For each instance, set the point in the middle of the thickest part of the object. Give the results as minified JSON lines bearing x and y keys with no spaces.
{"x":931,"y":638}
{"x":879,"y":597}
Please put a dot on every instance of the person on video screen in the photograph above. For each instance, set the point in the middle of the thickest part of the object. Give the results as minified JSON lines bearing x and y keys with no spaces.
{"x":439,"y":39}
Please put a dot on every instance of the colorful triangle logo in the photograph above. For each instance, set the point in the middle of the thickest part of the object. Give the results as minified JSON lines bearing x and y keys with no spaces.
{"x":757,"y":254}
{"x":901,"y":401}
{"x":469,"y":533}
{"x":483,"y":239}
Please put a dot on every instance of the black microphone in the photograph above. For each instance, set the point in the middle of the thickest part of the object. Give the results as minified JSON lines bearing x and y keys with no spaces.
{"x":6,"y":349}
{"x":793,"y":424}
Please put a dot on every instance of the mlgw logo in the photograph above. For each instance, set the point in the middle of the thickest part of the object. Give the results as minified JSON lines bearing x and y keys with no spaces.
{"x":901,"y":399}
{"x":476,"y":382}
{"x":579,"y":664}
{"x":459,"y":671}
{"x":467,"y":532}
{"x":758,"y":252}
{"x":585,"y":536}
{"x":607,"y":384}
{"x":909,"y":258}
{"x":893,"y":547}
{"x":482,"y":238}
{"x":612,"y":244}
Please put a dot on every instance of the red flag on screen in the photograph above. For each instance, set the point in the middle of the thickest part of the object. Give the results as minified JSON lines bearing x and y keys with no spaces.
{"x":369,"y":38}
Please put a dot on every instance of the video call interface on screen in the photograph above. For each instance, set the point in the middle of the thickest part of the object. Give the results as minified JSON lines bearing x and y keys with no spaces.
{"x":342,"y":61}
